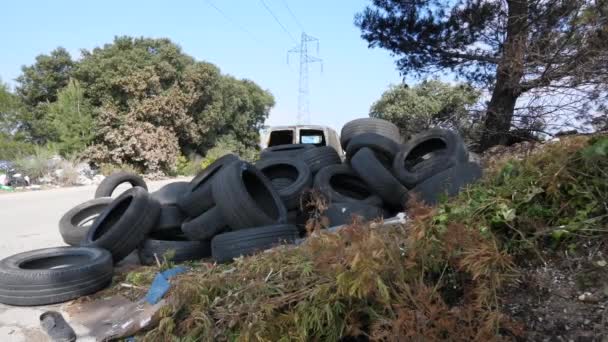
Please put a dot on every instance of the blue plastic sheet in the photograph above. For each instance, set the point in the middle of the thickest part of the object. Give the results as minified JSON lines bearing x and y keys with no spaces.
{"x":160,"y":284}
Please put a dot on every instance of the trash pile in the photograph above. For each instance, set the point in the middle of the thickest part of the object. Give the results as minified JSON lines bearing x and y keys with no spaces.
{"x":235,"y":208}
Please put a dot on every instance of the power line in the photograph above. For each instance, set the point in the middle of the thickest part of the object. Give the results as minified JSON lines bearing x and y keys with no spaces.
{"x":293,"y":15}
{"x":239,"y":26}
{"x":278,"y":21}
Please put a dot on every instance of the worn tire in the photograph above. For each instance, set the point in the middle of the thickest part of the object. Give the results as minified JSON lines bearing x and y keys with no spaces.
{"x":296,"y":171}
{"x":170,"y":217}
{"x":282,"y":151}
{"x":228,"y":246}
{"x":427,"y":154}
{"x":379,"y":179}
{"x":320,"y":157}
{"x":184,"y":250}
{"x":170,"y":193}
{"x":448,"y":182}
{"x":339,"y":183}
{"x":205,"y":226}
{"x":197,"y":197}
{"x":369,"y":125}
{"x":29,"y":278}
{"x":384,"y":148}
{"x":246,"y":198}
{"x":110,"y":183}
{"x":74,"y":224}
{"x":124,"y":224}
{"x":342,"y":213}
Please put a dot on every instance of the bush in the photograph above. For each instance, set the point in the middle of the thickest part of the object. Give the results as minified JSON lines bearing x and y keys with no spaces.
{"x":229,"y":144}
{"x":11,"y":149}
{"x":38,"y":164}
{"x":108,"y":169}
{"x":187,"y":167}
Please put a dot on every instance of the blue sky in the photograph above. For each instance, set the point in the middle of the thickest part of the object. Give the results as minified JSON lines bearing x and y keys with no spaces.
{"x":353,"y":76}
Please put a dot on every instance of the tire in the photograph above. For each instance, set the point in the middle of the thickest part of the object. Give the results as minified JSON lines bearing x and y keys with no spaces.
{"x":198,"y":197}
{"x":170,"y":217}
{"x":246,"y":198}
{"x":282,"y":151}
{"x":170,"y":193}
{"x":184,"y":250}
{"x":320,"y":157}
{"x":342,"y":213}
{"x":74,"y":224}
{"x":340,"y":184}
{"x":369,"y":125}
{"x":110,"y":183}
{"x":384,"y":148}
{"x":228,"y":246}
{"x":33,"y":278}
{"x":427,"y":154}
{"x":379,"y":179}
{"x":123,"y":225}
{"x":296,"y":171}
{"x":448,"y":182}
{"x":205,"y":226}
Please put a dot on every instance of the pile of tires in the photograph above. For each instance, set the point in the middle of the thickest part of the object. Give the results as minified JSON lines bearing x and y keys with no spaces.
{"x":235,"y":208}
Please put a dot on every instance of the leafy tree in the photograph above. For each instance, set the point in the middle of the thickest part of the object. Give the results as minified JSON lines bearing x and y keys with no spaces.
{"x":512,"y":47}
{"x":71,"y":116}
{"x":428,"y":104}
{"x":42,"y":81}
{"x":179,"y":105}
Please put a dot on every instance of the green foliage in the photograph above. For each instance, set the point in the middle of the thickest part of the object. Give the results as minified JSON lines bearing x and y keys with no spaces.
{"x":558,"y":193}
{"x":429,"y":104}
{"x":108,"y":169}
{"x":38,"y":164}
{"x":42,"y":81}
{"x":157,"y":102}
{"x":187,"y":167}
{"x":229,"y":144}
{"x":11,"y":149}
{"x":71,"y":116}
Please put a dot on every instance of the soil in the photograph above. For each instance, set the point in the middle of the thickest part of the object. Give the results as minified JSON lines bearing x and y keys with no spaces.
{"x":564,"y":299}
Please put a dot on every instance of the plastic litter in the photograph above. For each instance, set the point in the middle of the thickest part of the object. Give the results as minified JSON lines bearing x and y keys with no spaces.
{"x":160,"y":284}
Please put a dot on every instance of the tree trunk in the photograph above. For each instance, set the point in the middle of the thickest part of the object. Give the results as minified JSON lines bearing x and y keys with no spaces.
{"x":509,"y":73}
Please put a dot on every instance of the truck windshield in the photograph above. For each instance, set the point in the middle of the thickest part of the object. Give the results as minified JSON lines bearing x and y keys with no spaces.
{"x":312,"y":136}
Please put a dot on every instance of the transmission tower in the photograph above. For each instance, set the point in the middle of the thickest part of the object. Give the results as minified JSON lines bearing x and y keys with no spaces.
{"x":305,"y":61}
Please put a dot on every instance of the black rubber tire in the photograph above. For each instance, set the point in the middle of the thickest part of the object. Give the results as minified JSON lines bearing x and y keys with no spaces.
{"x":448,"y":182}
{"x":124,"y":224}
{"x":205,"y":226}
{"x":282,"y":151}
{"x":228,"y":246}
{"x":384,"y":148}
{"x":110,"y":183}
{"x":170,"y":193}
{"x":197,"y":199}
{"x":340,"y":184}
{"x":427,"y":154}
{"x":246,"y":198}
{"x":379,"y":179}
{"x":74,"y":224}
{"x":343,"y":213}
{"x":184,"y":250}
{"x":170,"y":217}
{"x":320,"y":157}
{"x":293,"y":169}
{"x":369,"y":125}
{"x":29,"y":278}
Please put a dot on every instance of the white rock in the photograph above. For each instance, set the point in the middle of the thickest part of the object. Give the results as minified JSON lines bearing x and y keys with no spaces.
{"x":83,"y":180}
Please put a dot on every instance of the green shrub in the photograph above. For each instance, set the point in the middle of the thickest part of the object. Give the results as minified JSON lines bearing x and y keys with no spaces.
{"x":187,"y":167}
{"x":108,"y":169}
{"x":11,"y":149}
{"x":229,"y":144}
{"x":38,"y":164}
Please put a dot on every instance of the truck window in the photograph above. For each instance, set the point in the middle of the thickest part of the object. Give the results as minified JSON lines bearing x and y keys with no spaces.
{"x":312,"y":136}
{"x":283,"y":137}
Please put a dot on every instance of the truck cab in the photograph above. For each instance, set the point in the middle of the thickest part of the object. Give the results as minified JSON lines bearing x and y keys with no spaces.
{"x":301,"y":134}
